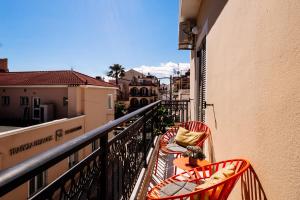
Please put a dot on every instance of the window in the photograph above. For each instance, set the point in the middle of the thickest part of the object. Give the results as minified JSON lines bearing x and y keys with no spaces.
{"x":65,"y":101}
{"x":110,"y":101}
{"x":36,"y":110}
{"x":5,"y":100}
{"x":144,"y":91}
{"x":24,"y":101}
{"x":143,"y":102}
{"x":95,"y":144}
{"x":73,"y":159}
{"x":134,"y":102}
{"x":37,"y":183}
{"x":134,"y":91}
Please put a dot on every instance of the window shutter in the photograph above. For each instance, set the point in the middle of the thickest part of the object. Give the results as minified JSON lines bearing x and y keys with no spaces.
{"x":202,"y":82}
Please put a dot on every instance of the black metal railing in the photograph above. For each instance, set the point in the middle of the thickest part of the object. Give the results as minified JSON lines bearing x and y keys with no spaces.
{"x":179,"y":110}
{"x":110,"y":172}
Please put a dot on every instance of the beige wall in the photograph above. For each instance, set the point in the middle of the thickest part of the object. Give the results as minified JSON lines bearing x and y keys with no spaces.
{"x":75,"y":103}
{"x":15,"y":138}
{"x":253,"y":66}
{"x":48,"y":95}
{"x":132,"y":73}
{"x":96,"y":106}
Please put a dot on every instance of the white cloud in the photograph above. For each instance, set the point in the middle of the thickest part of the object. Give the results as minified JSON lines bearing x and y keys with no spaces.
{"x":164,"y":69}
{"x":107,"y":78}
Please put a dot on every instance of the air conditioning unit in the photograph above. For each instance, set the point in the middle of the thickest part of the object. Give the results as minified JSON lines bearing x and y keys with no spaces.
{"x":186,"y":37}
{"x":47,"y":112}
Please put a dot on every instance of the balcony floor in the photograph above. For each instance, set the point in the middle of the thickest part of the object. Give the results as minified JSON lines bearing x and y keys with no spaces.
{"x":165,"y":169}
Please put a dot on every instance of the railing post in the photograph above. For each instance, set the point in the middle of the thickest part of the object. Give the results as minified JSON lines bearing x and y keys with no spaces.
{"x":152,"y":126}
{"x":144,"y":140}
{"x":187,"y":111}
{"x":104,"y":168}
{"x":181,"y":109}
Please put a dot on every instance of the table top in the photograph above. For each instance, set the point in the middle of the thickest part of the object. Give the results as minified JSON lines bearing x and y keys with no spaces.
{"x":183,"y":163}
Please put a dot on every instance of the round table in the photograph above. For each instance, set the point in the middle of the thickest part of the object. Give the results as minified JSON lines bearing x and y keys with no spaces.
{"x":183,"y":163}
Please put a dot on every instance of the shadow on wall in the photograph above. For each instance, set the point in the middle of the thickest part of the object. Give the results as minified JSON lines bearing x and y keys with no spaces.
{"x":214,"y":112}
{"x":213,"y":9}
{"x":251,"y":187}
{"x":211,"y":150}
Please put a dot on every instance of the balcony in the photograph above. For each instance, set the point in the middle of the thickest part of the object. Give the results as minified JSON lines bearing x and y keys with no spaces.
{"x":119,"y":168}
{"x":143,"y":94}
{"x":139,"y":94}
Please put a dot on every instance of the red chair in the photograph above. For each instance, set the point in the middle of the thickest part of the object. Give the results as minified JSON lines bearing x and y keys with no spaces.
{"x":218,"y":191}
{"x":169,"y":136}
{"x":191,"y":126}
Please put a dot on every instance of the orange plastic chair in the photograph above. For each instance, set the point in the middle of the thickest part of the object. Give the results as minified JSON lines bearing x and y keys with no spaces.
{"x":191,"y":126}
{"x":219,"y":191}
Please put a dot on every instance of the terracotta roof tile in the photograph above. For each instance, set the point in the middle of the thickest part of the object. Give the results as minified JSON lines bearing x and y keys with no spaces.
{"x":67,"y":77}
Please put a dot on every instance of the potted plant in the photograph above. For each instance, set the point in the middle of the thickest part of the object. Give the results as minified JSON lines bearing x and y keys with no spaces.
{"x":194,"y":153}
{"x":163,"y":120}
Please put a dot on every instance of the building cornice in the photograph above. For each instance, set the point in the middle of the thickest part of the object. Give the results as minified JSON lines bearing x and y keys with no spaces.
{"x":34,"y":86}
{"x":56,"y":86}
{"x":98,"y":87}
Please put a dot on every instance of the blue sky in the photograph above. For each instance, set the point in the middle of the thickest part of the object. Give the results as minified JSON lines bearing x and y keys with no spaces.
{"x":90,"y":35}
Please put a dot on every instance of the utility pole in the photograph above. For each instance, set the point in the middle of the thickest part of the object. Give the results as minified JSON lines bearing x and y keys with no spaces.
{"x":170,"y":88}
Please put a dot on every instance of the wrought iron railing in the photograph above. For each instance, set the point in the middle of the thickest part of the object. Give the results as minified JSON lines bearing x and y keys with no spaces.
{"x":179,"y":110}
{"x":110,"y":172}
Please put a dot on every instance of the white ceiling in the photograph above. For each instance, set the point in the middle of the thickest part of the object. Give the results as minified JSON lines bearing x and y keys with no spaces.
{"x":189,"y":9}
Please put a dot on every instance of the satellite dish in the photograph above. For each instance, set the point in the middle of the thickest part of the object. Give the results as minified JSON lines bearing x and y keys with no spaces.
{"x":195,"y":30}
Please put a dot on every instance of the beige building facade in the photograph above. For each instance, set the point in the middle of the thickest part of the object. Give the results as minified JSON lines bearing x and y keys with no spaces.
{"x":75,"y":110}
{"x":137,"y":90}
{"x":143,"y":91}
{"x":21,"y":144}
{"x":245,"y":64}
{"x":124,"y":84}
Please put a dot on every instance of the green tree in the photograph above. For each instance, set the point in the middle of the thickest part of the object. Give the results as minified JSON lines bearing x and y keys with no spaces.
{"x":116,"y":71}
{"x":120,"y":110}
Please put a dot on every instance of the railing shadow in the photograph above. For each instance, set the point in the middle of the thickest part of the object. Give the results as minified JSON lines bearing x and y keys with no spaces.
{"x":251,"y":187}
{"x":211,"y":150}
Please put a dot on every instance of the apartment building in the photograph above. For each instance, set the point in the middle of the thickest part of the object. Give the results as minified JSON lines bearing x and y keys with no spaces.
{"x":143,"y":91}
{"x":43,"y":109}
{"x":136,"y":89}
{"x":123,"y":84}
{"x":245,"y":79}
{"x":181,"y":86}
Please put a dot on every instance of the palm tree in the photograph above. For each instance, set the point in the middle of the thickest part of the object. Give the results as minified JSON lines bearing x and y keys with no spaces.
{"x":116,"y":71}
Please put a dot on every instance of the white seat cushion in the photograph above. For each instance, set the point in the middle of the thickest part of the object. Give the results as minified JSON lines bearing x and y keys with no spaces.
{"x":176,"y":147}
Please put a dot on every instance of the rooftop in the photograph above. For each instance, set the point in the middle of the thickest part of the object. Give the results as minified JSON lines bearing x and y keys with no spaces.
{"x":64,"y":77}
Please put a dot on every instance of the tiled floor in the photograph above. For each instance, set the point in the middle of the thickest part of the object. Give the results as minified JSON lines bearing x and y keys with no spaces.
{"x":165,"y":169}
